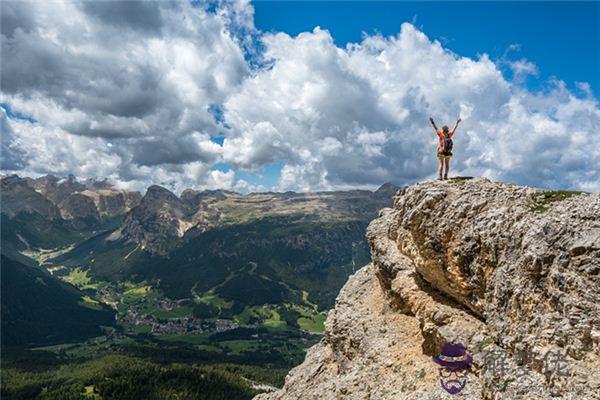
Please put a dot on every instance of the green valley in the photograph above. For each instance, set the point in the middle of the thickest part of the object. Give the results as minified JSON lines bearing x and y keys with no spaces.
{"x":227,"y":287}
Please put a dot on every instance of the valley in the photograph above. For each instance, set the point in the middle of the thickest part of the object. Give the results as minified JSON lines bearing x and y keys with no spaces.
{"x":236,"y":284}
{"x":143,"y":312}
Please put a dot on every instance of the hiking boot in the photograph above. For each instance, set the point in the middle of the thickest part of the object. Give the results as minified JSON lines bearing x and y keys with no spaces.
{"x":439,"y":178}
{"x":446,"y":176}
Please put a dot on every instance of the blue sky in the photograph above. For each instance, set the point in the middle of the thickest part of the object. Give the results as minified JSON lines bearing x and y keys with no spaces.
{"x":561,"y":38}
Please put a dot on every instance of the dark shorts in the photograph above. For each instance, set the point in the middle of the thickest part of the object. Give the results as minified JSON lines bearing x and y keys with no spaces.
{"x":444,"y":154}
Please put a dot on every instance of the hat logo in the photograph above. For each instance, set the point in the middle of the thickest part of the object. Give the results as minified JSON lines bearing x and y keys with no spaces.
{"x":453,"y":362}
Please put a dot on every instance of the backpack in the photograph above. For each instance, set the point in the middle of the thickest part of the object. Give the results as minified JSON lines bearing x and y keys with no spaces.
{"x":447,"y":141}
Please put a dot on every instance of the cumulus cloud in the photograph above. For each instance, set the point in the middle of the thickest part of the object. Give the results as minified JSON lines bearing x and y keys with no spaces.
{"x":12,"y":157}
{"x":39,"y":146}
{"x":125,"y":69}
{"x":358,"y":116}
{"x":135,"y":91}
{"x":134,"y":80}
{"x":523,"y":67}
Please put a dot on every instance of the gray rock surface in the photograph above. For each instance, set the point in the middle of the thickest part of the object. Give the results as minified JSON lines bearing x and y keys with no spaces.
{"x":92,"y":198}
{"x":66,"y":198}
{"x":511,"y":272}
{"x":17,"y":197}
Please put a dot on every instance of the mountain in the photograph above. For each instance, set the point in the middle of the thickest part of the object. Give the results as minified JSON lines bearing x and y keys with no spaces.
{"x":162,"y":218}
{"x":18,"y":197}
{"x":30,"y":220}
{"x":510,"y":272}
{"x":156,"y":223}
{"x":49,"y":212}
{"x":38,"y":309}
{"x":209,"y":242}
{"x":91,"y":199}
{"x":54,"y":188}
{"x":202,"y":278}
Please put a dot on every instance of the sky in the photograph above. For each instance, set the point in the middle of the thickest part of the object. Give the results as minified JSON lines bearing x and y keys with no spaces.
{"x":546,"y":33}
{"x":299,"y":95}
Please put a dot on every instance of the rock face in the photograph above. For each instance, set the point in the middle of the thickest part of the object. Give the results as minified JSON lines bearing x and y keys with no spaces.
{"x":161,"y":219}
{"x":78,"y":205}
{"x":156,"y":223}
{"x":18,"y":196}
{"x":511,"y":272}
{"x":111,"y":202}
{"x":91,"y":199}
{"x":54,"y":188}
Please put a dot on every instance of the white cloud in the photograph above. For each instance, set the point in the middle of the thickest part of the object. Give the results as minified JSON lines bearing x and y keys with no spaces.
{"x":53,"y":148}
{"x":125,"y":92}
{"x":524,"y":67}
{"x":521,"y":70}
{"x":358,"y":116}
{"x":118,"y":89}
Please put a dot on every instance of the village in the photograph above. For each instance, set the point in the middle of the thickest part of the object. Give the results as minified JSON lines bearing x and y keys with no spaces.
{"x":186,"y":325}
{"x":182,"y":325}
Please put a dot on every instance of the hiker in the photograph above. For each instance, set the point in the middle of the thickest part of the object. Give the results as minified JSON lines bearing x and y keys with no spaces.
{"x":445,"y":148}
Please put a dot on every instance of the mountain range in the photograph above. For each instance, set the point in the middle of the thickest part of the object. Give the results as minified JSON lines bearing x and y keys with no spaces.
{"x":227,"y":252}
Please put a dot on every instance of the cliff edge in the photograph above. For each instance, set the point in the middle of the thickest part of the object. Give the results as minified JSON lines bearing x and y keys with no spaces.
{"x":511,"y":272}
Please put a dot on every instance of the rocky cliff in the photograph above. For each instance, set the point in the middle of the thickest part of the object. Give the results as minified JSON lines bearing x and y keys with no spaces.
{"x":161,"y":219}
{"x":156,"y":223}
{"x":511,"y":272}
{"x":18,"y":197}
{"x":91,"y":199}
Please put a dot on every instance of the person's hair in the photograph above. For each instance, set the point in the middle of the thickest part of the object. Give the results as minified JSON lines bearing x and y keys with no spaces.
{"x":445,"y":128}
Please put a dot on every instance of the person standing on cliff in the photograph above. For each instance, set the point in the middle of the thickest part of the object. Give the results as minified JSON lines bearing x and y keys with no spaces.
{"x":445,"y":147}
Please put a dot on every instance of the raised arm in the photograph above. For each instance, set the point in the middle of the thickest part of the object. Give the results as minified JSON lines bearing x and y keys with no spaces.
{"x":455,"y":126}
{"x":433,"y":123}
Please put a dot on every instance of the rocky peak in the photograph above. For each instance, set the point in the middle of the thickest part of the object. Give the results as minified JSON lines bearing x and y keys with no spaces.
{"x":91,"y":200}
{"x":93,"y":183}
{"x":386,"y":190}
{"x":156,"y":222}
{"x":511,"y":272}
{"x":387,"y":186}
{"x":12,"y":181}
{"x":56,"y":189}
{"x":157,"y":196}
{"x":189,"y":195}
{"x":18,"y":196}
{"x":157,"y":190}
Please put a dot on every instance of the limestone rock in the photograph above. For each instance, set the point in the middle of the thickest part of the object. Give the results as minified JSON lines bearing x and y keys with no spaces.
{"x":511,"y":272}
{"x":18,"y":197}
{"x":91,"y":199}
{"x":156,"y":223}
